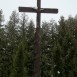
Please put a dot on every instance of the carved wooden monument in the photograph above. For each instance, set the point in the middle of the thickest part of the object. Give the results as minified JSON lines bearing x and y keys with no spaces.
{"x":39,"y":10}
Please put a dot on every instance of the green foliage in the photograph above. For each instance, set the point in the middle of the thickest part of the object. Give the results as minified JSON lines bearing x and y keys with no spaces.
{"x":18,"y":69}
{"x":1,"y":18}
{"x":58,"y":47}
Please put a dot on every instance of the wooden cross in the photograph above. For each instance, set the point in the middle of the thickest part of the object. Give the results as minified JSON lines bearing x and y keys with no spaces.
{"x":37,"y":55}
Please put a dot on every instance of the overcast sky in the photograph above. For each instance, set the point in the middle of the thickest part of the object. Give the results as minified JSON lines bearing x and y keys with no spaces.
{"x":66,"y":8}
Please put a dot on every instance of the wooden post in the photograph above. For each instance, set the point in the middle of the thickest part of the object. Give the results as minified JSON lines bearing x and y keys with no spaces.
{"x":37,"y":62}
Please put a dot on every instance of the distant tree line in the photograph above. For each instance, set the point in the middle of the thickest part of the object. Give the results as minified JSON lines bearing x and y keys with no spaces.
{"x":58,"y":47}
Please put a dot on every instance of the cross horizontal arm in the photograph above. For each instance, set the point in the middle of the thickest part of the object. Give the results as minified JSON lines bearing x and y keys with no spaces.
{"x":41,"y":10}
{"x":47,"y":10}
{"x":26,"y":9}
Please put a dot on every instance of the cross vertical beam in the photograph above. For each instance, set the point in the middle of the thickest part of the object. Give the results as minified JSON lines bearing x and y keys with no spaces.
{"x":37,"y":62}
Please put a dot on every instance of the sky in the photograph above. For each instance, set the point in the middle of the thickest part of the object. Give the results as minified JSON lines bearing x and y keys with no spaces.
{"x":66,"y":8}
